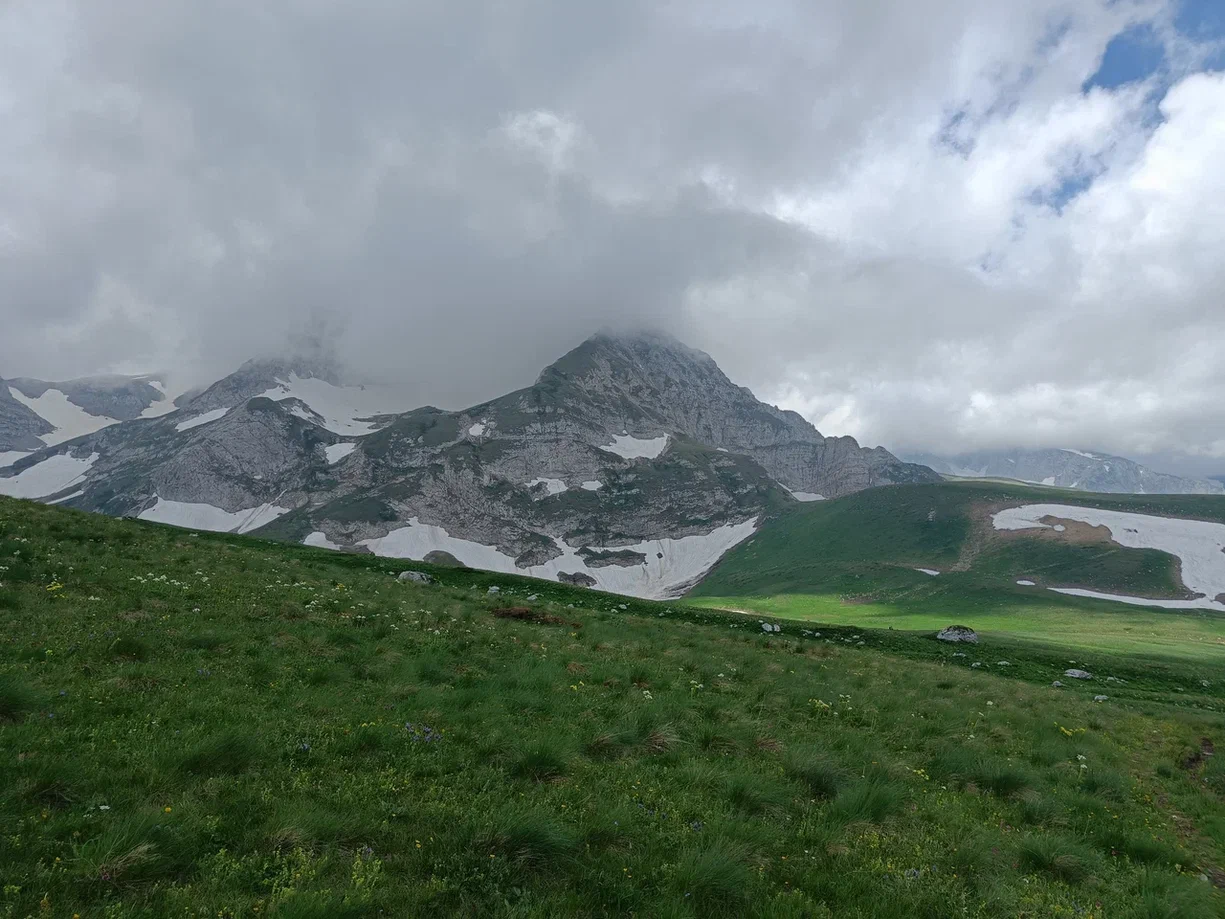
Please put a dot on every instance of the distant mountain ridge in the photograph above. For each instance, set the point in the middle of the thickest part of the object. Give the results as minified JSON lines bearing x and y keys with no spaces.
{"x":631,"y":463}
{"x":1067,"y":468}
{"x":36,"y":414}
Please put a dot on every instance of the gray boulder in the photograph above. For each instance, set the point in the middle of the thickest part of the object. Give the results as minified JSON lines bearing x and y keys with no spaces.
{"x":1100,"y":698}
{"x":1078,"y":674}
{"x":958,"y":633}
{"x":419,"y":576}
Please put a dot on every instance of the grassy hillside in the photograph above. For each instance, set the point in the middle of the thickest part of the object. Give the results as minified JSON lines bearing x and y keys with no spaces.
{"x":212,"y":725}
{"x":853,"y":560}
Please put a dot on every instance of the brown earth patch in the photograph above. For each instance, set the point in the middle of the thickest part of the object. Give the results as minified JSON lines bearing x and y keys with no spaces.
{"x":523,"y":614}
{"x":1196,"y":759}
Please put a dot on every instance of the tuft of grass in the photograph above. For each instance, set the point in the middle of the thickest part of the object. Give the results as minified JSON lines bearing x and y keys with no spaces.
{"x":129,"y":648}
{"x":532,"y":841}
{"x":1060,"y":858}
{"x":228,"y":754}
{"x":715,"y":880}
{"x":818,"y":774}
{"x":15,"y":700}
{"x":870,"y":800}
{"x":757,"y":796}
{"x":541,"y":763}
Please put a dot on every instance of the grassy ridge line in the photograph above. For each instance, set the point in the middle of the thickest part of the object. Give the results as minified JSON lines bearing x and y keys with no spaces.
{"x":207,"y":723}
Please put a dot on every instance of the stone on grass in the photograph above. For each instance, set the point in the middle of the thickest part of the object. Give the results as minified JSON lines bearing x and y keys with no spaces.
{"x":419,"y":576}
{"x":495,"y":590}
{"x":1078,"y":674}
{"x":958,"y":633}
{"x":1057,"y":685}
{"x":1100,"y":698}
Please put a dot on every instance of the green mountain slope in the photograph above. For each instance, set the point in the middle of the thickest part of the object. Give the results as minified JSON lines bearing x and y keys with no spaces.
{"x":854,"y":559}
{"x":194,"y":724}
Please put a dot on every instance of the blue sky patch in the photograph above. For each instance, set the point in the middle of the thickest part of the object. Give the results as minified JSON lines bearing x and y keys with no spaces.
{"x":1132,"y":55}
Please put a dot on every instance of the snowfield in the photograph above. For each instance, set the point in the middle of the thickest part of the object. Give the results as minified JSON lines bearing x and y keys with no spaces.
{"x":592,"y":486}
{"x":628,"y":447}
{"x":12,"y":456}
{"x":337,"y":452}
{"x":929,"y":571}
{"x":52,"y":475}
{"x":320,"y":541}
{"x":553,"y":486}
{"x":804,"y":496}
{"x":68,"y":419}
{"x":190,"y":423}
{"x":1198,"y":544}
{"x":671,"y":564}
{"x":345,"y":410}
{"x":207,"y":517}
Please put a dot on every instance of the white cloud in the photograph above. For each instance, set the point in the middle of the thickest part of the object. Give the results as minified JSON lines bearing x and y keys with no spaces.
{"x":858,"y":209}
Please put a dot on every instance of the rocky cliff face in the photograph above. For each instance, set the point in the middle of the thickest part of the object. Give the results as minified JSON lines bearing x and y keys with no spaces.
{"x":632,"y":461}
{"x":1067,"y":468}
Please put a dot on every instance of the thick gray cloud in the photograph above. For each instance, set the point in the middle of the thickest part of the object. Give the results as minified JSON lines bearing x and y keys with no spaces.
{"x":865,"y":211}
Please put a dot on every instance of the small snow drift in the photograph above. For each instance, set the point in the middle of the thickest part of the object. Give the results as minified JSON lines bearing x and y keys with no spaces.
{"x":552,"y":486}
{"x":1026,"y":583}
{"x":337,"y":452}
{"x":207,"y":417}
{"x":68,"y":419}
{"x":52,"y":475}
{"x":320,"y":541}
{"x":592,"y":486}
{"x":804,"y":496}
{"x":635,"y":448}
{"x":477,"y":430}
{"x":207,"y":517}
{"x":670,"y":564}
{"x":344,"y":410}
{"x":929,"y":571}
{"x":1198,"y":544}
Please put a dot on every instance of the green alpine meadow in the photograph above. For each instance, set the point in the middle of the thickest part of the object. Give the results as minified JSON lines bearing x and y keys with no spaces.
{"x":198,"y":724}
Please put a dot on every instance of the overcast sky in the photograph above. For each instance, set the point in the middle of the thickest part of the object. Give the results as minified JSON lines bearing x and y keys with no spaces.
{"x":938,"y":224}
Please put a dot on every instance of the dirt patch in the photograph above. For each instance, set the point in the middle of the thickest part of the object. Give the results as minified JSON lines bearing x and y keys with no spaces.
{"x":523,"y":614}
{"x":1196,"y":759}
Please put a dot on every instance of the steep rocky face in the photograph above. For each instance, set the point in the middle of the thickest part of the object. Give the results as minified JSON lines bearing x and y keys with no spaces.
{"x":632,"y":462}
{"x":21,"y":428}
{"x":1067,"y":468}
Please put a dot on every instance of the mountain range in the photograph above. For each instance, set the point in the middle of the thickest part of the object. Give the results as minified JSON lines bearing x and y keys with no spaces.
{"x":632,"y":463}
{"x":1067,"y":468}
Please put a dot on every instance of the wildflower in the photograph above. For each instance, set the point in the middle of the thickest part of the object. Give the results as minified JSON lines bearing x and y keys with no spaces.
{"x":166,"y":809}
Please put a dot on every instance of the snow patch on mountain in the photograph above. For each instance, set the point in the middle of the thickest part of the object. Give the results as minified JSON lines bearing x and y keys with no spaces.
{"x":207,"y":517}
{"x":553,"y":486}
{"x":1078,"y":453}
{"x":52,"y":475}
{"x":932,"y":572}
{"x":1200,"y":603}
{"x":1198,"y":544}
{"x":477,"y":430}
{"x":670,"y":566}
{"x":320,"y":541}
{"x":190,"y":423}
{"x":345,"y":410}
{"x":805,"y":496}
{"x":592,"y":486}
{"x":12,"y":456}
{"x":636,"y":448}
{"x":337,"y":452}
{"x":68,"y":419}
